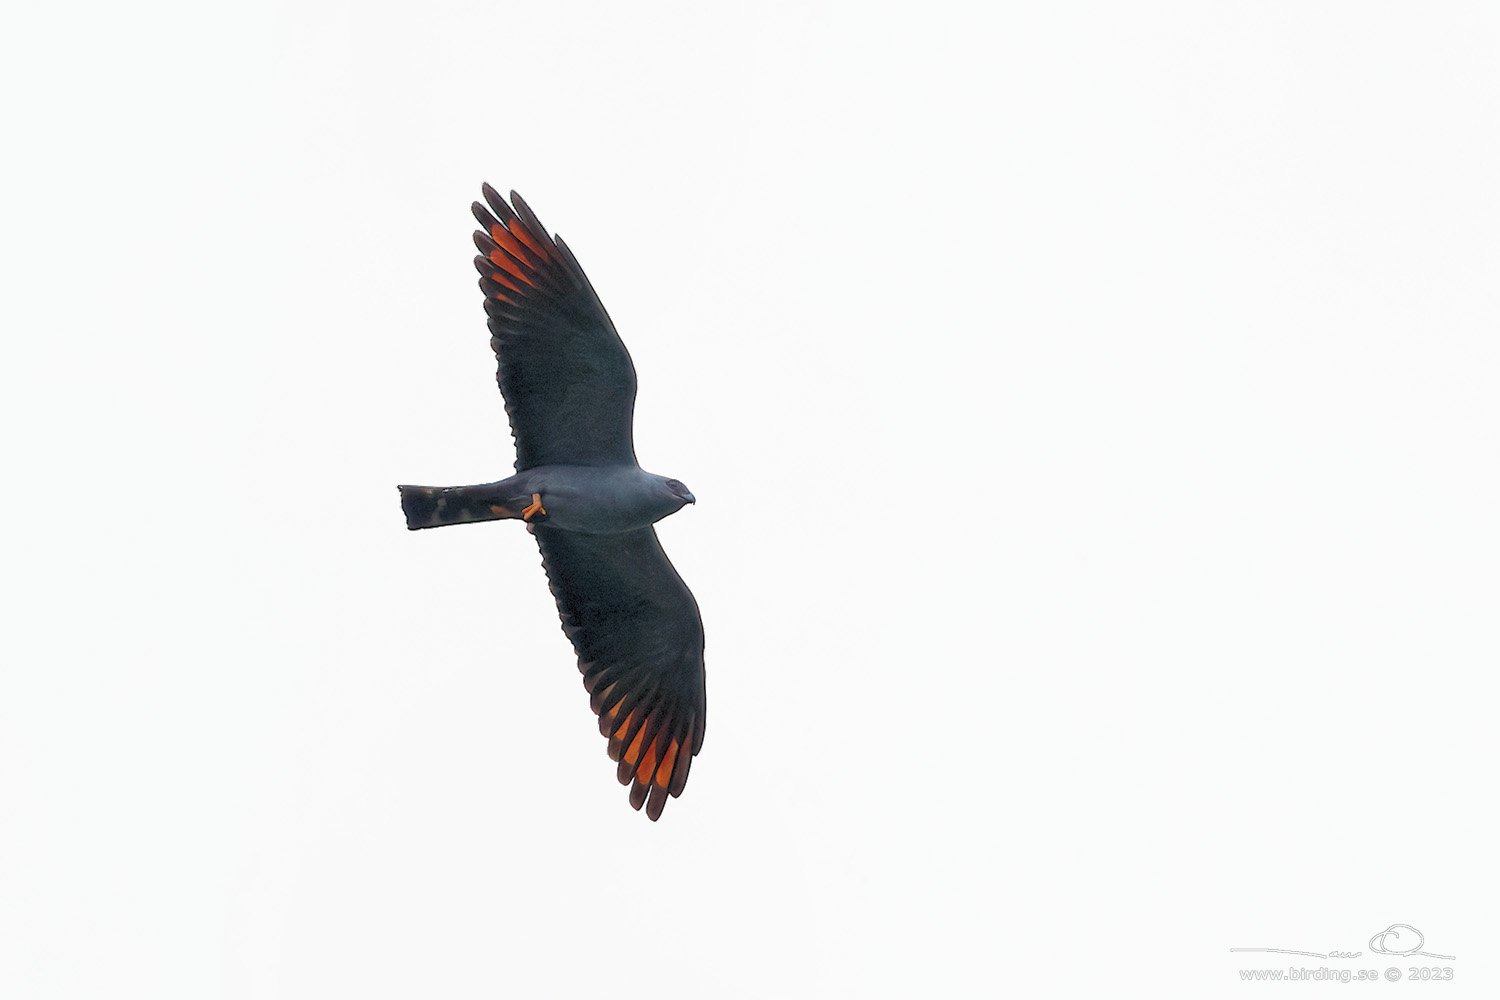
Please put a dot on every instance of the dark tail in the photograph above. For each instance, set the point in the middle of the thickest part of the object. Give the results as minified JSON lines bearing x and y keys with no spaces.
{"x":435,"y":506}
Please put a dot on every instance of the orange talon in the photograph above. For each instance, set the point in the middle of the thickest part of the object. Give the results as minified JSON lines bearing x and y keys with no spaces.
{"x":534,"y":509}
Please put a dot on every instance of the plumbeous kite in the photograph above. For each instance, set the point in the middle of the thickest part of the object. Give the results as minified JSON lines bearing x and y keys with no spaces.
{"x":569,"y":391}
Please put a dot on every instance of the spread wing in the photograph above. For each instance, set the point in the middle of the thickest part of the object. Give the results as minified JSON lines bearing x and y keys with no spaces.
{"x":639,"y":639}
{"x":567,"y":379}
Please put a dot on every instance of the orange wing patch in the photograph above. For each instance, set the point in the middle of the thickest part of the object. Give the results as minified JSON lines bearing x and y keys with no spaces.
{"x":664,"y":772}
{"x":512,"y":270}
{"x":519,"y":260}
{"x":646,"y":741}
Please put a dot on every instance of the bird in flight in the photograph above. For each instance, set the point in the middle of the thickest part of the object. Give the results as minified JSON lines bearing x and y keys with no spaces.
{"x":569,"y":389}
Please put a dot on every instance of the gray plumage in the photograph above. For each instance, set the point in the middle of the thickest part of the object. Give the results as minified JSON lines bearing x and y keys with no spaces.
{"x":569,"y":389}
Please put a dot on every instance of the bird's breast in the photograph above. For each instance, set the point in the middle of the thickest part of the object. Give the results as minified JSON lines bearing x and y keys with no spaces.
{"x":594,"y":500}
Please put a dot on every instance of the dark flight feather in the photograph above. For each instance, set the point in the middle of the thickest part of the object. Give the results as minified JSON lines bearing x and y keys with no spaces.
{"x":567,"y":379}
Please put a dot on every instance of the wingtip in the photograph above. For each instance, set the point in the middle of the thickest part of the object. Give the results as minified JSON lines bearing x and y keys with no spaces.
{"x":483,"y":216}
{"x":655,"y":803}
{"x":497,"y":204}
{"x":528,"y":216}
{"x":638,"y":792}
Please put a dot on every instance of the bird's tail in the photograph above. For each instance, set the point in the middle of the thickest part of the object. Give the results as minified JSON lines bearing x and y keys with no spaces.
{"x":435,"y":506}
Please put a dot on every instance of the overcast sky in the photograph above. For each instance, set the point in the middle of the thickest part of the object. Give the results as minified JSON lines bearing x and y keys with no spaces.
{"x":1092,"y":409}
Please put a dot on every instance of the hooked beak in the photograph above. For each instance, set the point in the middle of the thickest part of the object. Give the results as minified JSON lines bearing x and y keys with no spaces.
{"x":691,"y":498}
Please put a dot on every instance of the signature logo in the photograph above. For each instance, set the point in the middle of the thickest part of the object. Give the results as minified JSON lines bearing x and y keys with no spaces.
{"x":1398,"y":939}
{"x":1380,"y":943}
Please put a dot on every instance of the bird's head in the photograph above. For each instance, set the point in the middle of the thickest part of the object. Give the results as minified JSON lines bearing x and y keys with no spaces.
{"x":680,"y":495}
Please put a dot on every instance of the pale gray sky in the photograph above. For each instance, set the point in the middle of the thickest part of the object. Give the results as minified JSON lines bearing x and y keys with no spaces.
{"x":1092,"y":410}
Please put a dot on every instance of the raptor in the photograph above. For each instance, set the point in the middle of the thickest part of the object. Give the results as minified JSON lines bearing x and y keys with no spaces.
{"x":569,"y":389}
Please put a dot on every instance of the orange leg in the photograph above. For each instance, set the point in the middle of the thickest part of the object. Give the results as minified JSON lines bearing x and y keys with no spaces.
{"x":534,"y":509}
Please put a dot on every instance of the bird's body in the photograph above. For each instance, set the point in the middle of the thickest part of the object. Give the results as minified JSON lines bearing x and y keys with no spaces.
{"x":569,"y":389}
{"x":593,"y":499}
